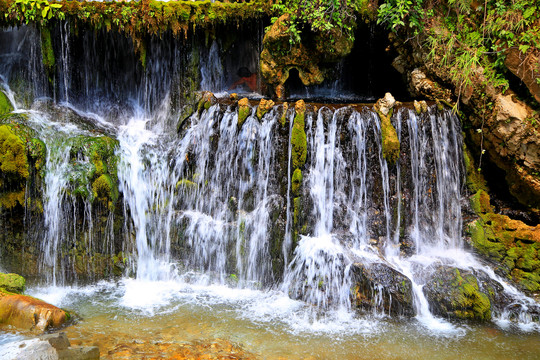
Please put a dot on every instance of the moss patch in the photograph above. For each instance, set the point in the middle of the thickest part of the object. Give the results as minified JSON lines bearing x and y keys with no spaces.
{"x":298,"y":136}
{"x":390,"y":140}
{"x":468,"y":301}
{"x":512,"y":246}
{"x":5,"y":104}
{"x":12,"y":282}
{"x":296,"y":182}
{"x":93,"y":169}
{"x":243,"y":111}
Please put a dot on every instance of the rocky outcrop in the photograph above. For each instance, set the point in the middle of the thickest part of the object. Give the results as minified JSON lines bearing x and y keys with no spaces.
{"x":50,"y":347}
{"x":511,"y":245}
{"x":279,"y":55}
{"x":525,"y":66}
{"x":378,"y":287}
{"x":497,"y":124}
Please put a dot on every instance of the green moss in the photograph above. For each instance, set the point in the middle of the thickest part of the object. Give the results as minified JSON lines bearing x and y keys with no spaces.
{"x":298,"y":137}
{"x":296,"y":182}
{"x":283,"y":118}
{"x":13,"y":283}
{"x":469,"y":301}
{"x":5,"y":104}
{"x":390,"y":140}
{"x":186,"y":185}
{"x":480,"y":202}
{"x":105,"y":190}
{"x":475,"y":179}
{"x":47,"y":53}
{"x":243,"y":111}
{"x":93,"y":169}
{"x":13,"y":159}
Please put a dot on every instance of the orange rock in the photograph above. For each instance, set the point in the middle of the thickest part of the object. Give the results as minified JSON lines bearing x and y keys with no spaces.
{"x":29,"y":313}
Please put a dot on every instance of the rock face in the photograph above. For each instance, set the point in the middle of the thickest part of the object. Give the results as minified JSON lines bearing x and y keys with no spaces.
{"x":456,"y":294}
{"x":511,"y":245}
{"x":525,"y":66}
{"x":28,"y":313}
{"x":279,"y":56}
{"x":49,"y":347}
{"x":379,"y":287}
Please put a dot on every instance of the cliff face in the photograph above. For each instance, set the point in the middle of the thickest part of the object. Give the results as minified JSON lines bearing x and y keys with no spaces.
{"x":495,"y":92}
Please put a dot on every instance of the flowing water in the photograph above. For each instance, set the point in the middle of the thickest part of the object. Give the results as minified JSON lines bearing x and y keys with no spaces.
{"x":216,"y":244}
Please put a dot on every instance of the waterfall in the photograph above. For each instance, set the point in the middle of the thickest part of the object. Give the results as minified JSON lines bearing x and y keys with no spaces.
{"x":210,"y":200}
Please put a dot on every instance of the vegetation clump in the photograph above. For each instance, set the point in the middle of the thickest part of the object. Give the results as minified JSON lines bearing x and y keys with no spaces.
{"x":12,"y":282}
{"x":22,"y":157}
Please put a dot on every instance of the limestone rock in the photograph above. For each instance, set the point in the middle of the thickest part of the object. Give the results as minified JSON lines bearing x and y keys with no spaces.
{"x":386,"y":104}
{"x":26,"y":312}
{"x":264,"y":107}
{"x":378,"y":281}
{"x":525,"y":66}
{"x":243,"y":111}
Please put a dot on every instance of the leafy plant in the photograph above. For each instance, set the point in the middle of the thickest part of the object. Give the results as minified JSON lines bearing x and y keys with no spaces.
{"x":35,"y":10}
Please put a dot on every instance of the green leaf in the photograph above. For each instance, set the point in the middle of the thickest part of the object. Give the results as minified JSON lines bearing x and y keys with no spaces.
{"x":527,"y":13}
{"x":56,"y":6}
{"x":44,"y":12}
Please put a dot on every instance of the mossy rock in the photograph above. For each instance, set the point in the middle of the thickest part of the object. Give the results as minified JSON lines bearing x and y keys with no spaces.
{"x":264,"y":107}
{"x":21,"y":162}
{"x":389,"y":137}
{"x":455,"y":294}
{"x":93,"y":168}
{"x":13,"y":283}
{"x":298,"y":136}
{"x":480,"y":202}
{"x":296,"y":182}
{"x":5,"y":104}
{"x":243,"y":111}
{"x":511,"y":245}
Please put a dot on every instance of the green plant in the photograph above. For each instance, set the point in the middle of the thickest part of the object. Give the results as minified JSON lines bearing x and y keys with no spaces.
{"x":35,"y":10}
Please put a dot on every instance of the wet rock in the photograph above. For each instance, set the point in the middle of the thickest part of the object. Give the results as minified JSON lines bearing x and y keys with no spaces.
{"x":12,"y":283}
{"x":390,"y":140}
{"x":26,"y":312}
{"x":243,"y":111}
{"x":264,"y":107}
{"x":379,"y":287}
{"x":50,"y":347}
{"x":455,"y":294}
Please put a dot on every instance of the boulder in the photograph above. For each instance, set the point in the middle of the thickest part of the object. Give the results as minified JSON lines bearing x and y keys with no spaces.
{"x":49,"y":347}
{"x":379,"y":287}
{"x":28,"y":313}
{"x":456,"y":294}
